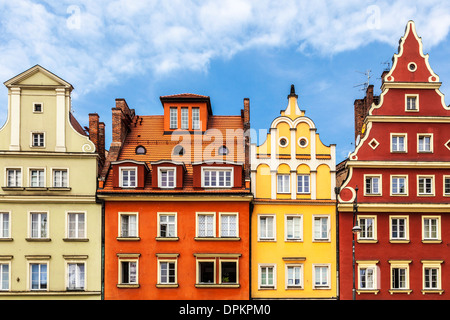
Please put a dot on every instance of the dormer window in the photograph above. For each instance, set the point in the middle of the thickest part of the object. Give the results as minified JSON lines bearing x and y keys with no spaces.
{"x":223,"y":150}
{"x":178,"y":151}
{"x":217,"y":178}
{"x":173,"y":118}
{"x":166,"y":177}
{"x":141,"y":150}
{"x":185,"y":118}
{"x":128,"y":177}
{"x":195,"y":118}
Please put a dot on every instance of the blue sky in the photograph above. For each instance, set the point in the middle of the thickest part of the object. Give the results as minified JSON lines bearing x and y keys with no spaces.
{"x":228,"y":50}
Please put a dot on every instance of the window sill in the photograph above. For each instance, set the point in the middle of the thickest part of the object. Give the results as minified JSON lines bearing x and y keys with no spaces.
{"x":76,"y":239}
{"x":127,"y":286}
{"x":128,"y":238}
{"x":6,"y":239}
{"x":59,"y":189}
{"x":294,"y":288}
{"x":36,"y":189}
{"x":395,"y":291}
{"x":217,"y":286}
{"x":293,"y":240}
{"x":267,"y":240}
{"x":167,"y":286}
{"x":367,"y":241}
{"x":365,"y":291}
{"x":217,"y":239}
{"x":399,"y":241}
{"x":432,"y":291}
{"x":38,"y":239}
{"x":167,"y":238}
{"x":432,"y":241}
{"x":13,"y":188}
{"x":267,"y":288}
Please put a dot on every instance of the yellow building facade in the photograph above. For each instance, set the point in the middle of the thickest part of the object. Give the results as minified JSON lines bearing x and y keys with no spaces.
{"x":293,"y":224}
{"x":50,"y":235}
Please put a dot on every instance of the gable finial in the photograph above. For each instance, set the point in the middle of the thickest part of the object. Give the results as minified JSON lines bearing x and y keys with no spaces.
{"x":292,"y":94}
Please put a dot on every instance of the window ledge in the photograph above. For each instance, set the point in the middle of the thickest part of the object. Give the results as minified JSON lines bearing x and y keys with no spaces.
{"x":167,"y":238}
{"x":432,"y":241}
{"x":294,"y":288}
{"x":373,"y":291}
{"x":399,"y":241}
{"x":431,"y":291}
{"x":394,"y":291}
{"x":217,"y":239}
{"x":127,"y":286}
{"x":13,"y":188}
{"x":59,"y":189}
{"x":213,"y":285}
{"x":167,"y":286}
{"x":267,"y":288}
{"x":76,"y":239}
{"x":36,"y":189}
{"x":367,"y":241}
{"x":6,"y":239}
{"x":38,"y":239}
{"x":128,"y":238}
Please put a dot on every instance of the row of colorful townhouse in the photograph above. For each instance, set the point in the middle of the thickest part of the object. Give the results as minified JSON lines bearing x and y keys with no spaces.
{"x":184,"y":206}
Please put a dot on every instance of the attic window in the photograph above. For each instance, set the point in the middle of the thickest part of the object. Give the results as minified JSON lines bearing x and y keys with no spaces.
{"x":412,"y":67}
{"x":223,"y":150}
{"x":141,"y":150}
{"x":178,"y":151}
{"x":37,"y":107}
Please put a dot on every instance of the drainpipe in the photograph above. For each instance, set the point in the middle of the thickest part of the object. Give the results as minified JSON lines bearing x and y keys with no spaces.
{"x":336,"y":191}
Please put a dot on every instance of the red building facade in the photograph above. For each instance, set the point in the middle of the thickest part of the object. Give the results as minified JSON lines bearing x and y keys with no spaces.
{"x":397,"y":187}
{"x":176,"y":195}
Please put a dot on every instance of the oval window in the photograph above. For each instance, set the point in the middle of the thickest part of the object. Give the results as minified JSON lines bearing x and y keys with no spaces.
{"x":223,"y":150}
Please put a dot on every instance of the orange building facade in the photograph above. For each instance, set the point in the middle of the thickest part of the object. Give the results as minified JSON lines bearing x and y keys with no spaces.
{"x":176,"y":194}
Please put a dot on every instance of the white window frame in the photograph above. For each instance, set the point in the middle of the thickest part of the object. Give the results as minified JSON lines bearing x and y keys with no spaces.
{"x":173,"y":117}
{"x":80,"y":281}
{"x":4,"y":235}
{"x":325,"y":285}
{"x":444,"y":178}
{"x":77,"y":230}
{"x":406,"y":185}
{"x":321,"y":238}
{"x":406,"y":226}
{"x":303,"y":183}
{"x":44,"y":176}
{"x":281,"y":188}
{"x":34,"y":107}
{"x":372,"y":266}
{"x":216,"y":171}
{"x":405,"y":143}
{"x":416,"y":100}
{"x":401,"y":265}
{"x":160,"y":179}
{"x":195,"y":118}
{"x":129,"y":214}
{"x":128,"y":260}
{"x":40,"y":230}
{"x":426,"y":234}
{"x":421,"y":192}
{"x":301,"y":276}
{"x":122,"y":180}
{"x":286,"y":227}
{"x":184,"y":118}
{"x":364,"y":227}
{"x":421,"y":143}
{"x":175,"y":224}
{"x":59,"y":183}
{"x":17,"y":177}
{"x":273,"y":231}
{"x":4,"y":263}
{"x":435,"y":265}
{"x":197,"y":225}
{"x":160,"y":276}
{"x":372,"y":192}
{"x":30,"y":274}
{"x":267,"y":266}
{"x":221,"y":224}
{"x":32,"y":135}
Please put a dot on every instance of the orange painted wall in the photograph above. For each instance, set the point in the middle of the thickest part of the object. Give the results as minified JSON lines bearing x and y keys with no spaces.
{"x":186,"y":247}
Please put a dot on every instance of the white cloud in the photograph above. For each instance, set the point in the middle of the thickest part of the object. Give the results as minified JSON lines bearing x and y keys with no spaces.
{"x":102,"y":41}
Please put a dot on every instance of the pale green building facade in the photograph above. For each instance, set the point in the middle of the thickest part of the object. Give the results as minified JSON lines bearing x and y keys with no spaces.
{"x":50,"y":221}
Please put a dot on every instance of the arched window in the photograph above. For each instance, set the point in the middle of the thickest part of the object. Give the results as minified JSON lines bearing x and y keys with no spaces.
{"x":140,"y":150}
{"x":223,"y":150}
{"x":178,"y":151}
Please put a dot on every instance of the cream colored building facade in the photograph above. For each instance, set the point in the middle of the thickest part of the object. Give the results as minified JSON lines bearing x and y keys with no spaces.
{"x":50,"y":222}
{"x":293,"y":224}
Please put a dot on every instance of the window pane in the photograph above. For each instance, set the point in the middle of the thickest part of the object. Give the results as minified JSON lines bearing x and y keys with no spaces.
{"x":206,"y":270}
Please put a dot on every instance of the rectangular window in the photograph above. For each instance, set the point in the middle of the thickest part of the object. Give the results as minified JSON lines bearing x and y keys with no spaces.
{"x":283,"y":183}
{"x":425,"y":186}
{"x":4,"y":276}
{"x":195,"y":118}
{"x":399,"y":280}
{"x":37,"y":178}
{"x":411,"y":103}
{"x":266,"y":228}
{"x":76,"y":276}
{"x":367,"y":225}
{"x":228,"y":272}
{"x":60,"y":178}
{"x":431,"y":278}
{"x":293,"y":228}
{"x":431,"y":228}
{"x":206,"y":225}
{"x":398,"y":143}
{"x":447,"y":186}
{"x":372,"y":185}
{"x":173,"y":118}
{"x":217,"y":178}
{"x":167,"y":226}
{"x":14,"y":177}
{"x":4,"y":225}
{"x":166,"y":178}
{"x":267,"y":276}
{"x":398,"y":186}
{"x":425,"y":143}
{"x":294,"y":276}
{"x":367,"y":278}
{"x":39,"y":225}
{"x":206,"y":272}
{"x":128,"y":177}
{"x":38,"y":276}
{"x":228,"y":225}
{"x":185,"y":118}
{"x":37,"y":140}
{"x":128,"y":225}
{"x":38,"y":107}
{"x":128,"y":272}
{"x":321,"y":277}
{"x":76,"y":225}
{"x":399,"y":228}
{"x":167,"y":272}
{"x":303,"y":183}
{"x":321,"y":228}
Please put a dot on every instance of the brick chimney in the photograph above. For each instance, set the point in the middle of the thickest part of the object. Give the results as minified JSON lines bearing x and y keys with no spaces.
{"x":362,"y":107}
{"x":246,"y":117}
{"x":97,"y":136}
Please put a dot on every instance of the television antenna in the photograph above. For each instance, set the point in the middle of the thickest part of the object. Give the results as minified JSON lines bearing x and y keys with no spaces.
{"x":366,"y":84}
